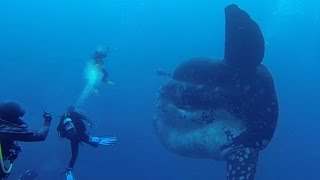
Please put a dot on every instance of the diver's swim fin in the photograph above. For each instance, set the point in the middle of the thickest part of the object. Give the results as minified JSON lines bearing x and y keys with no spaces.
{"x":69,"y":176}
{"x":106,"y":141}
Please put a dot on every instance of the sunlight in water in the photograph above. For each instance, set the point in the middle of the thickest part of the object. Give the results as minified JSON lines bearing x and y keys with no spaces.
{"x":286,"y":11}
{"x":93,"y":77}
{"x":289,"y":7}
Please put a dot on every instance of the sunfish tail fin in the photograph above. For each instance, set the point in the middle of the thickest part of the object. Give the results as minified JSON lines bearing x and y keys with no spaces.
{"x":241,"y":164}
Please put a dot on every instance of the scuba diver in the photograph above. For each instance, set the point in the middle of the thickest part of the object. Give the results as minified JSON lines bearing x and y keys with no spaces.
{"x":72,"y":127}
{"x":29,"y":175}
{"x":12,"y":129}
{"x":95,"y":75}
{"x":98,"y":58}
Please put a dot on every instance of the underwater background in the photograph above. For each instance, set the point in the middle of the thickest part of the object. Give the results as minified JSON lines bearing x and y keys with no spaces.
{"x":45,"y":46}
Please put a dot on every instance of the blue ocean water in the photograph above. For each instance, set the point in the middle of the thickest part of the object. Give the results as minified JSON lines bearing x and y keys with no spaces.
{"x":45,"y":46}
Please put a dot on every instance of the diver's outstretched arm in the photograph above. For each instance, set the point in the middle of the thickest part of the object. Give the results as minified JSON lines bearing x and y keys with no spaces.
{"x":32,"y":136}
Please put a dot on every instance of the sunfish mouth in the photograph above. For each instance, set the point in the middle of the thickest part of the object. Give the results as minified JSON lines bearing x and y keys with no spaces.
{"x":194,"y":129}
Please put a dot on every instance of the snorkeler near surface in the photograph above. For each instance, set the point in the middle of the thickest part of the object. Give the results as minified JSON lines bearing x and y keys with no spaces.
{"x":95,"y":74}
{"x":72,"y":127}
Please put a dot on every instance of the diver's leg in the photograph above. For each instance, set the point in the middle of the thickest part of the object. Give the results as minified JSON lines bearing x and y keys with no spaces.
{"x":105,"y":75}
{"x":74,"y":152}
{"x":241,"y":165}
{"x":86,"y":139}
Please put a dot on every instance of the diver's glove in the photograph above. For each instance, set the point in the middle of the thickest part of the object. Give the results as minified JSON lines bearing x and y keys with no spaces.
{"x":47,"y":117}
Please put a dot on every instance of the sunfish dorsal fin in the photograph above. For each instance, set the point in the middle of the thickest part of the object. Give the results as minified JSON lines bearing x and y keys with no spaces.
{"x":244,"y":42}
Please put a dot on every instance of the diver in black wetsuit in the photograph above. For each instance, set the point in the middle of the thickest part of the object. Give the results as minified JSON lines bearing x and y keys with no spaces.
{"x":12,"y":129}
{"x":72,"y":127}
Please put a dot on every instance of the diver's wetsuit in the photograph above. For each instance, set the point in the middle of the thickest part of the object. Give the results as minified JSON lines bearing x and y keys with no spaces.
{"x":105,"y":75}
{"x":76,"y":139}
{"x":99,"y":62}
{"x":25,"y":134}
{"x":11,"y":132}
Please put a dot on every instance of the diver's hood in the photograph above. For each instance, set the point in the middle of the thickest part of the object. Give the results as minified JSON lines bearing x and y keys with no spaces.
{"x":11,"y":112}
{"x":10,"y":122}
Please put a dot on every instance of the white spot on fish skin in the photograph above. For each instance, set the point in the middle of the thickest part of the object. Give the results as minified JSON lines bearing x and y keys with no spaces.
{"x":246,"y":156}
{"x":242,"y":172}
{"x":265,"y":142}
{"x":248,"y":176}
{"x":241,"y":159}
{"x":200,"y":86}
{"x":241,"y":178}
{"x":261,"y":91}
{"x":247,"y":87}
{"x":249,"y":168}
{"x":233,"y":157}
{"x":247,"y":150}
{"x":238,"y":168}
{"x":233,"y":172}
